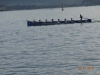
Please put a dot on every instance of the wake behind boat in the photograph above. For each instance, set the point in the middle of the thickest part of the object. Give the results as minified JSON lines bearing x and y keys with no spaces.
{"x":42,"y":23}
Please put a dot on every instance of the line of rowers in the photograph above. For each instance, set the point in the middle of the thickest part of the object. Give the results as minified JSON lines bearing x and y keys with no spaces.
{"x":52,"y":20}
{"x":81,"y":17}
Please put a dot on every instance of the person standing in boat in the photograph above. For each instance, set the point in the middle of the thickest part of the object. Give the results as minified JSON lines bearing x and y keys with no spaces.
{"x":81,"y":17}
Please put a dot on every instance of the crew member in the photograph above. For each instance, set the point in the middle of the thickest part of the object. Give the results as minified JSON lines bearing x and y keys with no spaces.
{"x":39,"y":20}
{"x":71,"y":20}
{"x":52,"y":20}
{"x":34,"y":20}
{"x":65,"y":20}
{"x":46,"y":20}
{"x":58,"y":20}
{"x":81,"y":17}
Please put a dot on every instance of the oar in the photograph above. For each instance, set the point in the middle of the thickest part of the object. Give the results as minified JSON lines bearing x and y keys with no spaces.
{"x":88,"y":18}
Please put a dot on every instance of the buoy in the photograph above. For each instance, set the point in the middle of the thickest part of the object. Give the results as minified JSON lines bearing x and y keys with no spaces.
{"x":62,"y":8}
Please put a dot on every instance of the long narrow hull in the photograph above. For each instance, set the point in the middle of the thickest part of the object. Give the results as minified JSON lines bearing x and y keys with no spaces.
{"x":30,"y":23}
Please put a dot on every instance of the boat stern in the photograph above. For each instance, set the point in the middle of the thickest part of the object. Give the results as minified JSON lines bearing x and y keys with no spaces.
{"x":89,"y":20}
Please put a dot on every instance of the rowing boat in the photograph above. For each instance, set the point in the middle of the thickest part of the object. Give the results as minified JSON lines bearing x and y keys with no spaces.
{"x":40,"y":23}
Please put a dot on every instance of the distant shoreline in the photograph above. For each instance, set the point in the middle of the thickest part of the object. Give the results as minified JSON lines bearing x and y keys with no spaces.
{"x":16,"y":7}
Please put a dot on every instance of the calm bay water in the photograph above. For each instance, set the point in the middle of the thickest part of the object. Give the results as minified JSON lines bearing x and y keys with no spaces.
{"x":49,"y":50}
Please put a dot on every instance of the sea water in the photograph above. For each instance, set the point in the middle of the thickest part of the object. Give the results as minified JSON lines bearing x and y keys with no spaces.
{"x":67,"y":49}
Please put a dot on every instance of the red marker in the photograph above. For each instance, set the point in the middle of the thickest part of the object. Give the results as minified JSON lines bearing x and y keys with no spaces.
{"x":62,"y":8}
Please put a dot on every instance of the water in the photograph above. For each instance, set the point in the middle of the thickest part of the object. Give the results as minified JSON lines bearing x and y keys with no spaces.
{"x":49,"y":50}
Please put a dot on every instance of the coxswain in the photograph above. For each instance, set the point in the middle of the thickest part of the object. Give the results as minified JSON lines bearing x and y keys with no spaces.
{"x":81,"y":17}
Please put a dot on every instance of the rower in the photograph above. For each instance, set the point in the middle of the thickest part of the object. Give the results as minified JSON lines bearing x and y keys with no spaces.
{"x":71,"y":20}
{"x":65,"y":20}
{"x":39,"y":20}
{"x":46,"y":20}
{"x":34,"y":20}
{"x":52,"y":20}
{"x":81,"y":17}
{"x":58,"y":20}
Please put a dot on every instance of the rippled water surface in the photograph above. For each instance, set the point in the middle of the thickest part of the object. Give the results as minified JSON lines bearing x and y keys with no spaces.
{"x":49,"y":50}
